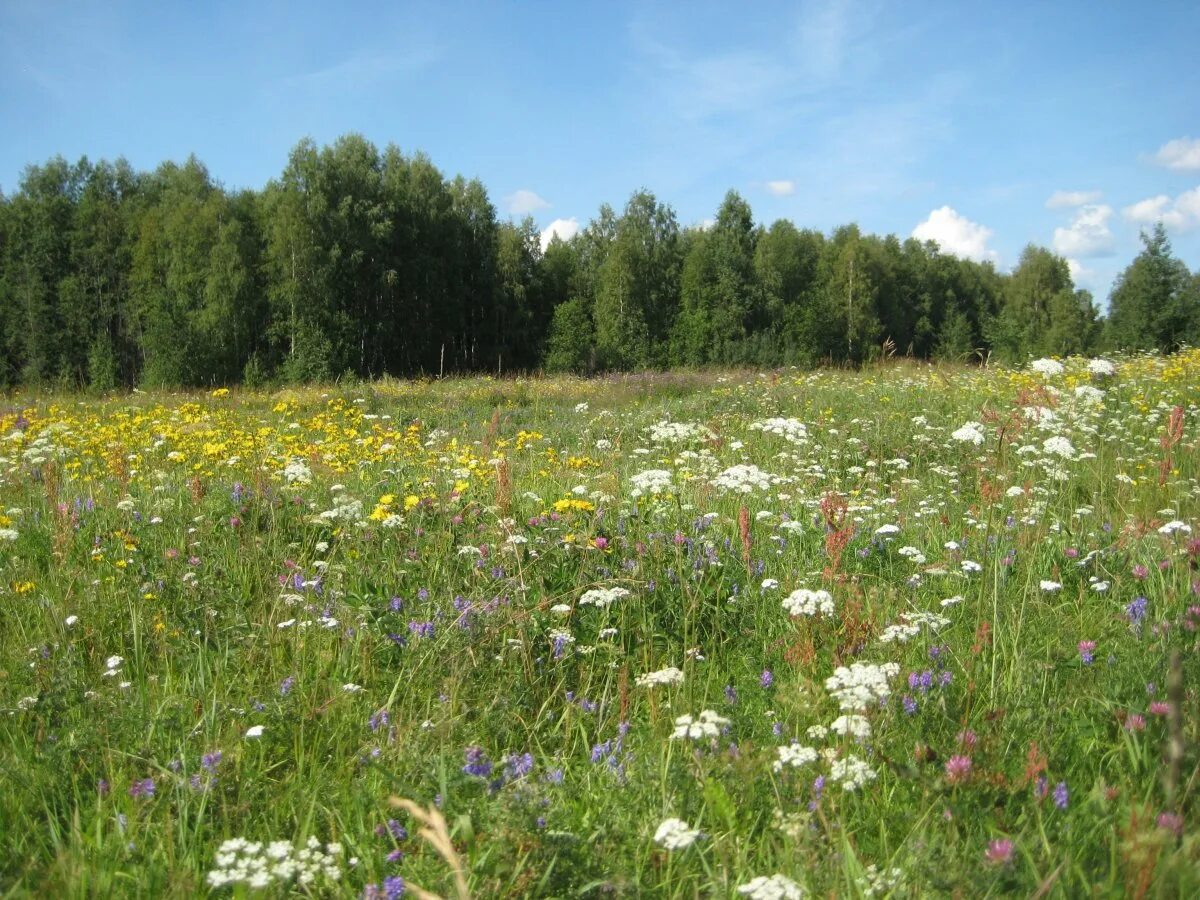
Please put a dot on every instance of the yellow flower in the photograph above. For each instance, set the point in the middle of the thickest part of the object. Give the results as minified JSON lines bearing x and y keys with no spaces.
{"x":220,"y":392}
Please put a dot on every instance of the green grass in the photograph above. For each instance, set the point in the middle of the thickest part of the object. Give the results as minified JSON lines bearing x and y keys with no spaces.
{"x":165,"y":523}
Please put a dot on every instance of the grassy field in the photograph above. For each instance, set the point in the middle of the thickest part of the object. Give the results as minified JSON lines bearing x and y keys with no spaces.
{"x":903,"y":632}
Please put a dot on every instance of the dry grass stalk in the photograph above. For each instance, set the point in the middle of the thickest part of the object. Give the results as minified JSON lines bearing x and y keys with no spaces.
{"x":435,"y":832}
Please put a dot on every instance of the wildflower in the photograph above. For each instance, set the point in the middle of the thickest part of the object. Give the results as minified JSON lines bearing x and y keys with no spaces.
{"x":766,"y":679}
{"x":793,"y":756}
{"x":143,"y":788}
{"x":1086,"y":650}
{"x":771,"y":887}
{"x":603,"y":597}
{"x":675,"y":834}
{"x":1061,"y":796}
{"x":669,"y":675}
{"x":254,"y":731}
{"x":1047,"y":367}
{"x":1050,"y":586}
{"x":804,"y":602}
{"x":958,"y":768}
{"x":707,"y":725}
{"x":478,"y":765}
{"x":1172,"y":822}
{"x":999,"y":852}
{"x":857,"y":686}
{"x":970,"y":433}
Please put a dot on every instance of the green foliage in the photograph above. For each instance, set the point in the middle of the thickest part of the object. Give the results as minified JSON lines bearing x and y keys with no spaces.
{"x":372,"y":262}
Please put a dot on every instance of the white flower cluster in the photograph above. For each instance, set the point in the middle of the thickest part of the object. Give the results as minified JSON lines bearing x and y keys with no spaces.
{"x":297,"y":472}
{"x":771,"y":887}
{"x":1089,"y":395}
{"x":1058,"y":446}
{"x":1102,"y":367}
{"x":853,"y":725}
{"x":707,"y":725}
{"x":675,"y":834}
{"x":861,"y":685}
{"x":792,"y":429}
{"x":970,"y":433}
{"x":910,"y":626}
{"x":345,"y":509}
{"x":677,"y":432}
{"x":602,"y":597}
{"x":651,"y":482}
{"x":1047,"y":367}
{"x":876,"y":882}
{"x":793,"y":756}
{"x":280,"y":862}
{"x":851,"y":772}
{"x":9,"y":534}
{"x":669,"y":675}
{"x":744,"y":479}
{"x":803,"y":602}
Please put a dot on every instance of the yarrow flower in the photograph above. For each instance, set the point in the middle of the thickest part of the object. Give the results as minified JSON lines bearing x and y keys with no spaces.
{"x":707,"y":725}
{"x":804,"y":602}
{"x":675,"y":834}
{"x":603,"y":597}
{"x":242,"y":862}
{"x":1047,"y":367}
{"x":669,"y":675}
{"x":861,"y":684}
{"x":793,"y":756}
{"x":970,"y":433}
{"x":771,"y":887}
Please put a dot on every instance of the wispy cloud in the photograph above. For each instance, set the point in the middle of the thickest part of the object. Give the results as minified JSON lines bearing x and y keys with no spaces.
{"x":782,"y":188}
{"x":1180,"y":155}
{"x":1180,"y":214}
{"x":362,"y":70}
{"x":1068,"y":199}
{"x":524,"y":202}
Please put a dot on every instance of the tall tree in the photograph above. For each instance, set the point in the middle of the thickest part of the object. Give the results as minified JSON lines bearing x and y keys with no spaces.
{"x":1154,"y":304}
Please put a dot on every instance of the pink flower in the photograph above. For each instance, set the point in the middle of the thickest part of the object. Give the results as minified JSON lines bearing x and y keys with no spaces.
{"x":1140,"y":571}
{"x":967,"y":738}
{"x":999,"y":852}
{"x":1172,"y":822}
{"x":1159,"y":708}
{"x":958,"y":768}
{"x":1135,"y":722}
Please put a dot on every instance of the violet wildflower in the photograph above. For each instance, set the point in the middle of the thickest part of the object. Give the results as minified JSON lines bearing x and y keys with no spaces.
{"x":1061,"y":796}
{"x":143,"y":788}
{"x":478,"y":764}
{"x":285,"y":686}
{"x":1086,"y":649}
{"x":767,"y":678}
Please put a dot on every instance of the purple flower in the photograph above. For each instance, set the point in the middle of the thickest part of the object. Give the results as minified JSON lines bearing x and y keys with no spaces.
{"x":520,"y":766}
{"x":143,"y":788}
{"x":1086,"y":649}
{"x":398,"y":831}
{"x":1136,"y":611}
{"x":731,"y":694}
{"x":478,"y":764}
{"x":285,"y":686}
{"x":210,"y":761}
{"x":1061,"y":797}
{"x":766,"y":679}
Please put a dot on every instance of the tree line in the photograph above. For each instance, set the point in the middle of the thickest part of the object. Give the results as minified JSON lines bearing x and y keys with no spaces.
{"x":366,"y":263}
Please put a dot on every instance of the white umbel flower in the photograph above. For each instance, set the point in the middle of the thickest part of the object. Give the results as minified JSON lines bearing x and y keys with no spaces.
{"x":771,"y":887}
{"x":675,"y":834}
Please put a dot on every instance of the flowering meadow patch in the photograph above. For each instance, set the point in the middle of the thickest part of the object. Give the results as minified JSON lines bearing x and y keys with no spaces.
{"x":904,"y":632}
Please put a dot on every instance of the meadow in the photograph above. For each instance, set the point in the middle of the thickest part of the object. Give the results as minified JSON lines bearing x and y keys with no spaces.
{"x":907,"y":631}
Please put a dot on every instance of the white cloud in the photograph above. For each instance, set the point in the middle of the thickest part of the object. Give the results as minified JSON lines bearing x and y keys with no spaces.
{"x":1067,"y":199}
{"x":1180,"y":214}
{"x":1181,"y":155}
{"x":1088,"y":233}
{"x":564,"y":228}
{"x":1079,"y":272}
{"x":782,"y":188}
{"x":956,"y":235}
{"x":523,"y":202}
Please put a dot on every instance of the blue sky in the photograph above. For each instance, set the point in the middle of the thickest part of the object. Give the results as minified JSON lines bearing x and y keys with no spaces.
{"x":984,"y":126}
